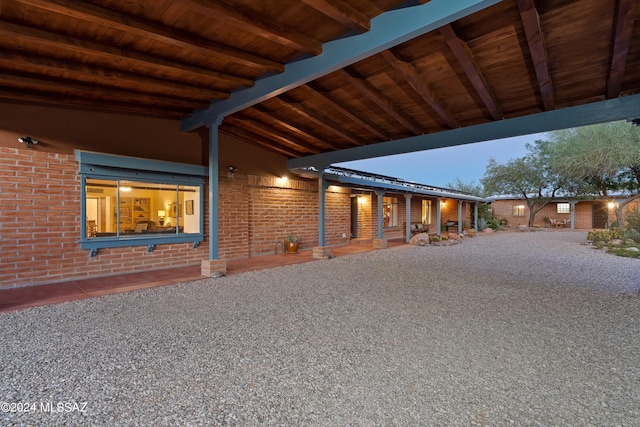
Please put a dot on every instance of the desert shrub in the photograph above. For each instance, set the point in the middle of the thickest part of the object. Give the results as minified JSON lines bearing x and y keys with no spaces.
{"x":632,"y":234}
{"x":633,"y":221}
{"x":605,"y":236}
{"x":494,"y":223}
{"x":482,"y":224}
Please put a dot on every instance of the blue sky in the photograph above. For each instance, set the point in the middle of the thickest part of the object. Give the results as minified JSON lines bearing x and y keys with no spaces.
{"x":443,"y":165}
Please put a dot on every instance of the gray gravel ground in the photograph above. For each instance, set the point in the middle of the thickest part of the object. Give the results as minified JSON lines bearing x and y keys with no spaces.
{"x":527,"y":329}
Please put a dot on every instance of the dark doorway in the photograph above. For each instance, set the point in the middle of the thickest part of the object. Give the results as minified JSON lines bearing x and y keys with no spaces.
{"x":600,"y":215}
{"x":354,"y":217}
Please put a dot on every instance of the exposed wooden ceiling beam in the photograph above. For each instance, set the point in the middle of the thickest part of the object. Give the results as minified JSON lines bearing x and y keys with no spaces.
{"x":387,"y":30}
{"x":270,"y":133}
{"x":367,"y":89}
{"x":238,"y":130}
{"x":535,"y":38}
{"x":467,"y":61}
{"x":360,"y":119}
{"x":116,"y":55}
{"x":625,"y":16}
{"x":104,"y":76}
{"x":56,"y":88}
{"x":415,"y":80}
{"x":287,"y":103}
{"x":342,"y":12}
{"x":22,"y":97}
{"x":250,"y":22}
{"x":133,"y":25}
{"x":275,"y":117}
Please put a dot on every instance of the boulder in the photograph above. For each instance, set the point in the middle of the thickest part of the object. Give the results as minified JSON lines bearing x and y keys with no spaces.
{"x":420,"y":239}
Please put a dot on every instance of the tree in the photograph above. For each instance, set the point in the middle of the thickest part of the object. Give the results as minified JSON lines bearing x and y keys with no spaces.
{"x":466,"y":187}
{"x":602,"y":160}
{"x":529,"y":177}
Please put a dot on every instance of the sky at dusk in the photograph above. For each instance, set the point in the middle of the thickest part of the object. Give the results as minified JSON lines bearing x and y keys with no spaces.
{"x":441,"y":166}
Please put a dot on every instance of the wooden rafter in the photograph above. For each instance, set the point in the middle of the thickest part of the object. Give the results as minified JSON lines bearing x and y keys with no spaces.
{"x":287,"y":103}
{"x":342,"y":12}
{"x":277,"y":119}
{"x":535,"y":39}
{"x":352,"y":115}
{"x":254,"y":24}
{"x":133,"y":25}
{"x":471,"y":68}
{"x":55,"y":41}
{"x":270,"y":133}
{"x":415,"y":80}
{"x":29,"y":97}
{"x":625,"y":15}
{"x":365,"y":88}
{"x":104,"y":76}
{"x":237,"y":129}
{"x":55,"y":88}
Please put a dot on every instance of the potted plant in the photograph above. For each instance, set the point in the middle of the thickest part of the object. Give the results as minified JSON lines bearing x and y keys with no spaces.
{"x":292,"y":244}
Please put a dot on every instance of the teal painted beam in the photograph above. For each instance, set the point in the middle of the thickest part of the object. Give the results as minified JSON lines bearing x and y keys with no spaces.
{"x":380,"y":195}
{"x":407,"y":223}
{"x":624,"y":108}
{"x":322,"y":188}
{"x":214,"y":191}
{"x":387,"y":30}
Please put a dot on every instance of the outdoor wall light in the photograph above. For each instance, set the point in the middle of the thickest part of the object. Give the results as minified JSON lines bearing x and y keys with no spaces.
{"x":27,"y":141}
{"x":282,"y":180}
{"x":233,"y":169}
{"x":612,"y":205}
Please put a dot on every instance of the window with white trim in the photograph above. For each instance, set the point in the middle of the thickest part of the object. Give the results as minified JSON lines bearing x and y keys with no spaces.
{"x":518,"y":210}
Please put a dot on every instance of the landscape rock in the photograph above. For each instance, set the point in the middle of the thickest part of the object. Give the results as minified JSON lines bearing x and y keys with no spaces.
{"x":421,"y":239}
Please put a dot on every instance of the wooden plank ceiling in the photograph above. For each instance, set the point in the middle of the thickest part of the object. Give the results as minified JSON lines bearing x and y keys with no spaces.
{"x":168,"y":58}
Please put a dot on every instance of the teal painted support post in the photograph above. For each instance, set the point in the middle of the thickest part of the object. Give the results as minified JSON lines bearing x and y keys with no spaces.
{"x":380,"y":195}
{"x":460,"y":203}
{"x":408,"y":216}
{"x":214,"y":190}
{"x":573,"y":215}
{"x":322,"y":188}
{"x":438,"y":216}
{"x":475,"y":216}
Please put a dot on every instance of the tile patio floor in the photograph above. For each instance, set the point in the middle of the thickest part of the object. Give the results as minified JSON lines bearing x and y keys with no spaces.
{"x":34,"y":296}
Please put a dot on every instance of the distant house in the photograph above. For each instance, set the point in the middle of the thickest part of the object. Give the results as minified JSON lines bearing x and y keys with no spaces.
{"x":569,"y":213}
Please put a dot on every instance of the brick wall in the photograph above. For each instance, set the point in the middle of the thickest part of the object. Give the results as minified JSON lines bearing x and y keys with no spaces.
{"x":40,"y":222}
{"x":583,"y":214}
{"x":40,"y":226}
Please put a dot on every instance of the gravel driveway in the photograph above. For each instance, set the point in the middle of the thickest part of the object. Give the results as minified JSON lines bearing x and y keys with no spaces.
{"x":528,"y":329}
